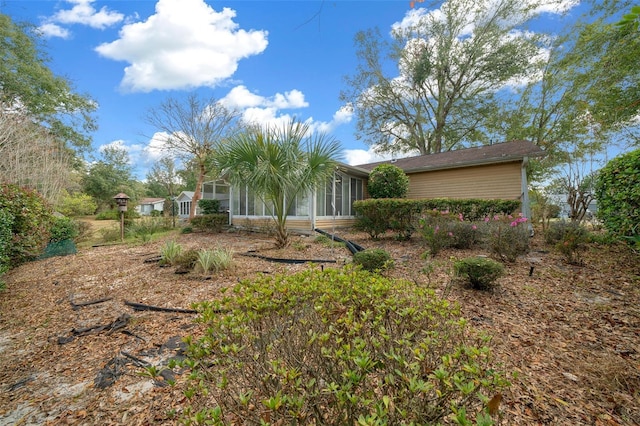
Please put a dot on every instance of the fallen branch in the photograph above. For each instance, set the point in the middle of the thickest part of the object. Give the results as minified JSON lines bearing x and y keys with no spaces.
{"x":76,"y":306}
{"x":143,"y":307}
{"x":117,"y":324}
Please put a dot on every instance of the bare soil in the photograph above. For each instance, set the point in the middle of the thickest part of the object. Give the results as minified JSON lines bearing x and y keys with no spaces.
{"x":570,"y":334}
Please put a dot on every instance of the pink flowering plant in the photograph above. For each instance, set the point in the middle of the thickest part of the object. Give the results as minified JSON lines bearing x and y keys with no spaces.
{"x":506,"y":236}
{"x":464,"y":234}
{"x":434,"y":229}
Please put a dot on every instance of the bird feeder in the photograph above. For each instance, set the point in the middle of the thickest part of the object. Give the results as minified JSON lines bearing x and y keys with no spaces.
{"x":121,"y":201}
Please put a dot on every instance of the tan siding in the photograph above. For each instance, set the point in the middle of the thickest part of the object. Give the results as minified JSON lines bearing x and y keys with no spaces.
{"x":488,"y":182}
{"x":328,"y":224}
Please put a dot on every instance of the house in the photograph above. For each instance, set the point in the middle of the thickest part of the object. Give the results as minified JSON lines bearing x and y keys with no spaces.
{"x":497,"y":171}
{"x":326,"y":207}
{"x":184,"y":200}
{"x":148,"y":205}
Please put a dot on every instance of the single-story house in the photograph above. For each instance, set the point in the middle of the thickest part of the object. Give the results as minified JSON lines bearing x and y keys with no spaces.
{"x":184,"y":200}
{"x":497,"y":171}
{"x":148,"y":205}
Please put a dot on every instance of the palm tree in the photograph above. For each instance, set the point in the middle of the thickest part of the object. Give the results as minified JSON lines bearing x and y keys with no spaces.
{"x":278,"y":164}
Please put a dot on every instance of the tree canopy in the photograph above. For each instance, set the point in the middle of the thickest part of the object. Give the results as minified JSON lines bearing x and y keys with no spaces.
{"x":28,"y":86}
{"x":450,"y":65}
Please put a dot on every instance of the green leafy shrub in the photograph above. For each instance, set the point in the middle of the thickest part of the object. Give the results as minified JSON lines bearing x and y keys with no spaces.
{"x":76,"y":204}
{"x":30,"y":218}
{"x":465,"y":235}
{"x":373,"y":259}
{"x":569,"y":238}
{"x":214,"y":260}
{"x":144,"y":228}
{"x":170,"y":252}
{"x":434,"y":229}
{"x":506,"y":237}
{"x":337,"y":347}
{"x":376,"y":216}
{"x":210,"y":222}
{"x":114,"y":214}
{"x":209,"y":206}
{"x":63,"y":228}
{"x":6,"y":226}
{"x":481,"y":273}
{"x":186,"y":229}
{"x":617,"y":190}
{"x":387,"y":181}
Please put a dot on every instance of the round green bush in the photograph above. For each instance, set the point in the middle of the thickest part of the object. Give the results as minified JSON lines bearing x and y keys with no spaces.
{"x":481,"y":273}
{"x":337,"y":347}
{"x":373,"y":260}
{"x":63,"y":228}
{"x":387,"y":181}
{"x":31,"y":220}
{"x":617,"y":191}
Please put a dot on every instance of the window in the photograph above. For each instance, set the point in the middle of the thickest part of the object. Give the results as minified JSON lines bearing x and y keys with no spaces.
{"x":347,"y":190}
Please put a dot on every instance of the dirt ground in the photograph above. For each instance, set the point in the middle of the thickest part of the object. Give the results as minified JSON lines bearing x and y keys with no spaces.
{"x":570,"y":334}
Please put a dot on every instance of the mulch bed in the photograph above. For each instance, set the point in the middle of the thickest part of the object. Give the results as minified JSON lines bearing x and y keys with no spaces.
{"x":76,"y":347}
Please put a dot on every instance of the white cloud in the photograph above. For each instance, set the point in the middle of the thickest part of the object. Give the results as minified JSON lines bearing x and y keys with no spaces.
{"x":84,"y":13}
{"x":53,"y":30}
{"x":355,"y":157}
{"x":185,"y":44}
{"x":119,"y":143}
{"x":267,"y":111}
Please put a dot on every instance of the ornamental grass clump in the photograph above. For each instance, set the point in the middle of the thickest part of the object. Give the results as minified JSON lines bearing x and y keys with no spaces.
{"x":481,"y":273}
{"x":337,"y":347}
{"x":214,"y":260}
{"x":170,"y":252}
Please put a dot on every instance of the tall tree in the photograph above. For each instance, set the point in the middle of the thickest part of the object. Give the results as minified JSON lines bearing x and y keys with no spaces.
{"x":29,"y":87}
{"x":32,"y":157}
{"x":195,"y":130}
{"x":164,"y":177}
{"x":109,"y":176}
{"x":450,"y":64}
{"x":279,"y":164}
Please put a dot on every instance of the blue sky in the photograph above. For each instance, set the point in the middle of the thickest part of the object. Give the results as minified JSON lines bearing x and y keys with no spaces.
{"x":272,"y":59}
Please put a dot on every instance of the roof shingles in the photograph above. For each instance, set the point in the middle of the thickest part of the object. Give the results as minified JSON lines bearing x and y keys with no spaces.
{"x":486,"y":154}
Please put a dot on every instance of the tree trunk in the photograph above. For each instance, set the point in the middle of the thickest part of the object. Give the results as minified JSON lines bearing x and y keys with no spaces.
{"x":197,"y":193}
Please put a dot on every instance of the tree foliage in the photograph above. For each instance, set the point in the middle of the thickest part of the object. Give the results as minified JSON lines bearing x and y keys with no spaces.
{"x":29,"y":87}
{"x":162,"y":179}
{"x":195,"y":128}
{"x":387,"y":181}
{"x":451,"y":63}
{"x":618,"y":194}
{"x":278,"y":164}
{"x":109,"y":176}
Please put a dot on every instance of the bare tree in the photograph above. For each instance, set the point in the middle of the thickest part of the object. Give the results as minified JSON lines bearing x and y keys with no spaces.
{"x":32,"y":157}
{"x":195,"y":128}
